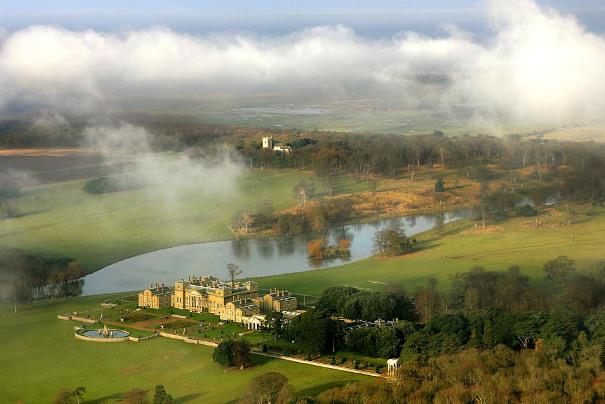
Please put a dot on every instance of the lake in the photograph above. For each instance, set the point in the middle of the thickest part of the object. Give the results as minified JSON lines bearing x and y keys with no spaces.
{"x":255,"y":256}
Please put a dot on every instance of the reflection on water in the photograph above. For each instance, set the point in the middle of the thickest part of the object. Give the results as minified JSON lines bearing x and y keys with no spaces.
{"x":256,"y":257}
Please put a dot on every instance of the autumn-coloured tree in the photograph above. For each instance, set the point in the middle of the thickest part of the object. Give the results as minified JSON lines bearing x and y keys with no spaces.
{"x":315,"y":248}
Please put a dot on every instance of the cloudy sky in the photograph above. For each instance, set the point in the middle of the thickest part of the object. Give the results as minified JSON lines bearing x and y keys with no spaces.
{"x":372,"y":18}
{"x":519,"y":58}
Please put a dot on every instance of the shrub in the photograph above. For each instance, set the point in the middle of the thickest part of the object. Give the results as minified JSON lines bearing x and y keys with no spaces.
{"x":232,"y":353}
{"x":526,"y":211}
{"x":440,"y":186}
{"x":223,"y":353}
{"x":103,"y":185}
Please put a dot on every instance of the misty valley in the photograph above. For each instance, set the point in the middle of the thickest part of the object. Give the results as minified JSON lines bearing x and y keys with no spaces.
{"x":302,"y":202}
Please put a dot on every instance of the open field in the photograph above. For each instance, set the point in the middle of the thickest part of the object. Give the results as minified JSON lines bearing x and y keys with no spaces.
{"x":313,"y":111}
{"x":36,"y":166}
{"x":587,"y":133}
{"x":60,"y":219}
{"x":461,"y":247}
{"x":56,"y":360}
{"x":63,"y":220}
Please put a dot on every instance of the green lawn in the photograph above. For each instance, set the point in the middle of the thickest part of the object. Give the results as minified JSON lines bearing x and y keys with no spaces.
{"x":62,"y":220}
{"x":102,"y":229}
{"x":461,"y":247}
{"x":40,"y":356}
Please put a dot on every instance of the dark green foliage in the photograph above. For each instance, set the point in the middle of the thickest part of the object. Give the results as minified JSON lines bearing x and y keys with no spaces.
{"x":526,"y":211}
{"x":562,"y":323}
{"x":287,"y":224}
{"x":275,"y":323}
{"x":584,"y":292}
{"x":453,"y":325}
{"x":103,"y":185}
{"x":595,"y":326}
{"x":363,"y":341}
{"x":481,"y":289}
{"x":35,"y":277}
{"x":440,"y":185}
{"x":315,"y":331}
{"x":223,"y":353}
{"x":499,"y":204}
{"x":232,"y":353}
{"x":392,"y":242}
{"x":314,"y":217}
{"x":373,"y":341}
{"x":160,"y":396}
{"x":75,"y":396}
{"x":367,"y":305}
{"x":333,"y":299}
{"x":298,"y":143}
{"x":559,"y":268}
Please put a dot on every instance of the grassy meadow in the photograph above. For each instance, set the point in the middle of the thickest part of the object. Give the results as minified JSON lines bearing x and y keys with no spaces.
{"x":56,"y":360}
{"x":61,"y":219}
{"x":461,"y":246}
{"x":583,"y":133}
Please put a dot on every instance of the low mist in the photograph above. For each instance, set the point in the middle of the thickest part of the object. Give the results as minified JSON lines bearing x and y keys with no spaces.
{"x":536,"y":63}
{"x":168,"y":176}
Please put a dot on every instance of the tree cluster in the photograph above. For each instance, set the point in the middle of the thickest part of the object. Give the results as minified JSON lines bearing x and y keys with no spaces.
{"x":233,"y":353}
{"x":366,"y":305}
{"x":26,"y":276}
{"x":392,"y":242}
{"x":497,"y":375}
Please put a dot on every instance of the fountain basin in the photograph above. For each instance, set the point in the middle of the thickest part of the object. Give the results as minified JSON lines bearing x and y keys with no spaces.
{"x":102,"y":335}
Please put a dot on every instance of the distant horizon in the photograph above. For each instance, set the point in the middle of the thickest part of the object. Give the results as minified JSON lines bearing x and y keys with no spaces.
{"x":372,"y":19}
{"x":513,"y":61}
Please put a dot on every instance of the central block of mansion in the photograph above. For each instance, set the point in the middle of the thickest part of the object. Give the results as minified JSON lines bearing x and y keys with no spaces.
{"x":238,"y":301}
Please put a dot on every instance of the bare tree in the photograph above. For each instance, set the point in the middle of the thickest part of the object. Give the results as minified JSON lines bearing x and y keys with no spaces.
{"x":247,"y":221}
{"x":233,"y":270}
{"x":303,"y":191}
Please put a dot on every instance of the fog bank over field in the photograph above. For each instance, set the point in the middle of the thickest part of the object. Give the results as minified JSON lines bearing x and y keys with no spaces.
{"x":536,"y":63}
{"x":167,"y":176}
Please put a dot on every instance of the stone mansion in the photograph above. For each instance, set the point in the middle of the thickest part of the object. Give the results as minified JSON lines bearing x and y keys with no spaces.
{"x":240,"y":302}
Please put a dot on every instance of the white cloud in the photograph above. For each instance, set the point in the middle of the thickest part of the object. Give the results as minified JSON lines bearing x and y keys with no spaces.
{"x":538,"y":63}
{"x":173,"y":176}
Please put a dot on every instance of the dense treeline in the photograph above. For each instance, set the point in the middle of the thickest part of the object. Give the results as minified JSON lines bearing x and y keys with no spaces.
{"x":498,"y":375}
{"x":491,"y":337}
{"x":481,"y":309}
{"x":366,"y":305}
{"x":311,"y":217}
{"x":17,"y":133}
{"x":26,"y":276}
{"x":574,"y":169}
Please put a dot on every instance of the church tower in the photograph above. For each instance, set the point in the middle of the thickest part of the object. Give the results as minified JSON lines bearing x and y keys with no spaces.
{"x":268,"y":142}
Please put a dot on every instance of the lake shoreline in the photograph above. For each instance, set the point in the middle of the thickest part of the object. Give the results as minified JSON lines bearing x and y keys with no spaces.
{"x":261,"y":256}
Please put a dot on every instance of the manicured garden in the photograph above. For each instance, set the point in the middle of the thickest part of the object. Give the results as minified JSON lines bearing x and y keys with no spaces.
{"x":55,"y":360}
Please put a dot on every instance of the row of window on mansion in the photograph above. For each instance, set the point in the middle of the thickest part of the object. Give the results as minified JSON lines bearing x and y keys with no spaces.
{"x":231,"y":301}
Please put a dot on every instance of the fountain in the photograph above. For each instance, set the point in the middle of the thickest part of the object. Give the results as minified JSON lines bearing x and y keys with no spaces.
{"x":104,"y":334}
